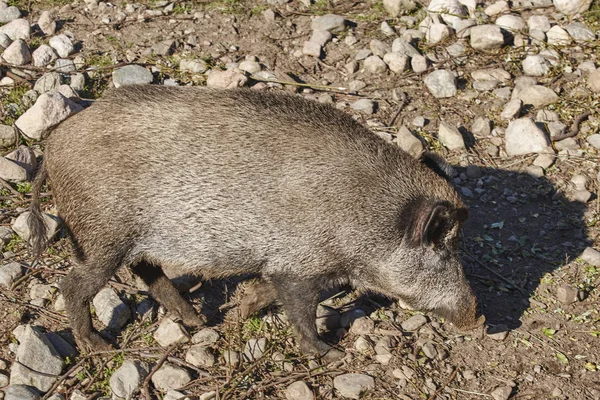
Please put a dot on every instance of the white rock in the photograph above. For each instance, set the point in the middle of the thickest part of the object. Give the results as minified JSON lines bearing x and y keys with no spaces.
{"x":330,"y":22}
{"x":539,"y":22}
{"x":486,"y":37}
{"x":419,"y":63}
{"x":387,"y":29}
{"x":441,"y":83}
{"x":312,"y":49}
{"x":20,"y":392}
{"x":195,"y":66}
{"x":396,"y":7}
{"x":43,"y":56}
{"x":321,"y":37}
{"x":591,"y":256}
{"x":523,"y":137}
{"x":17,"y":53}
{"x":450,"y":136}
{"x":593,"y":81}
{"x":557,"y":36}
{"x":62,"y":44}
{"x":375,"y":65}
{"x":402,"y":46}
{"x":499,"y":7}
{"x":21,"y":227}
{"x":169,"y":332}
{"x":128,"y":378}
{"x":299,"y":391}
{"x":449,"y":10}
{"x":365,"y":106}
{"x":535,"y":65}
{"x":512,"y":109}
{"x":131,"y":75}
{"x":396,"y":62}
{"x":205,"y":337}
{"x":408,"y":142}
{"x":493,"y":74}
{"x":580,"y":32}
{"x":5,"y":41}
{"x":594,"y":140}
{"x":64,"y":66}
{"x":170,"y":377}
{"x":47,"y":23}
{"x":200,"y":356}
{"x":513,"y":23}
{"x":47,"y":82}
{"x":17,"y":29}
{"x":463,"y":27}
{"x":110,"y":309}
{"x":249,"y":66}
{"x":49,"y":109}
{"x":231,"y":357}
{"x":352,"y":386}
{"x":572,"y":7}
{"x":536,"y":95}
{"x":379,"y":48}
{"x":255,"y":348}
{"x":11,"y":171}
{"x":9,"y":273}
{"x":9,"y":14}
{"x":438,"y":33}
{"x":228,"y":79}
{"x":7,"y":137}
{"x":502,"y":393}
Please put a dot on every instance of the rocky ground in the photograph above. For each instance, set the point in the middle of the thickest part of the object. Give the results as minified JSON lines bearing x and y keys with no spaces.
{"x":508,"y":92}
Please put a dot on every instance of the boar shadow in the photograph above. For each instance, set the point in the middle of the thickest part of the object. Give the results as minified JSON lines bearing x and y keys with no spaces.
{"x":522,"y":228}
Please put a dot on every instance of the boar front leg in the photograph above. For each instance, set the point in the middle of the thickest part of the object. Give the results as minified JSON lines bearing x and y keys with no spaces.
{"x":300,"y":298}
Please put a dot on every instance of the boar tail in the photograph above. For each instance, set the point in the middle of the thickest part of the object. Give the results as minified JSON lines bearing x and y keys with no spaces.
{"x":37,"y":224}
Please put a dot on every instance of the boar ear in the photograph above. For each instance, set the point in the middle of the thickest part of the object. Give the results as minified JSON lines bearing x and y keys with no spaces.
{"x":436,"y":163}
{"x":434,"y":223}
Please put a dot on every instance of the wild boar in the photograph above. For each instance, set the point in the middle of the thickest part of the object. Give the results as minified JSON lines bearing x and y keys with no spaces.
{"x":233,"y":182}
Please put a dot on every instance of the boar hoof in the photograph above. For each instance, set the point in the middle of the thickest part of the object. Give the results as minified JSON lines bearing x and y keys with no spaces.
{"x":322,"y":350}
{"x":193,"y":320}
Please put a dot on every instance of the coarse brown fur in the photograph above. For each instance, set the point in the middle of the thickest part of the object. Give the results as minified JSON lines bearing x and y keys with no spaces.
{"x":231,"y":182}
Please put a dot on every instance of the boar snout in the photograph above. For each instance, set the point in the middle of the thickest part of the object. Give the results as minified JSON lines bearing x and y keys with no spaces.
{"x":465,"y":317}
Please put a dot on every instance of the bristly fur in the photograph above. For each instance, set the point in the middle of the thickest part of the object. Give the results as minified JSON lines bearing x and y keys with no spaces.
{"x":37,"y":225}
{"x":236,"y":182}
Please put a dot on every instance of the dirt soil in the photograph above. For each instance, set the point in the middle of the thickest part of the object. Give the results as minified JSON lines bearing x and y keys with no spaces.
{"x":521,"y":244}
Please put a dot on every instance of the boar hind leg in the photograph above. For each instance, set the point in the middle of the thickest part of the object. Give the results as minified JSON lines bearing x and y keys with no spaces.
{"x":258,"y":295}
{"x":162,"y":289}
{"x":300,"y":299}
{"x":78,"y":288}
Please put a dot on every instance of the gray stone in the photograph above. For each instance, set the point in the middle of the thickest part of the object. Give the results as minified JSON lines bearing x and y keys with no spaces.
{"x":429,"y":350}
{"x":17,"y":29}
{"x":523,"y":136}
{"x":463,"y":27}
{"x":228,"y":79}
{"x":449,"y":10}
{"x":486,"y":37}
{"x":482,"y":127}
{"x":363,"y":345}
{"x":363,"y":54}
{"x":492,"y":74}
{"x":591,"y":256}
{"x":503,"y":93}
{"x":567,"y":144}
{"x":17,"y":53}
{"x":572,"y":7}
{"x":387,"y":29}
{"x":544,"y":160}
{"x":536,"y":95}
{"x":170,"y":377}
{"x":539,"y":22}
{"x":499,"y":7}
{"x":205,"y":337}
{"x":593,"y":81}
{"x":195,"y":66}
{"x":49,"y":109}
{"x":46,"y":23}
{"x":402,"y":46}
{"x":362,"y":326}
{"x":21,"y":227}
{"x":396,"y":62}
{"x":473,"y":172}
{"x":414,"y":323}
{"x":580,"y":32}
{"x":131,"y":75}
{"x":408,"y":142}
{"x":110,"y":309}
{"x":441,"y":83}
{"x":556,"y":128}
{"x":498,"y":332}
{"x":20,"y":392}
{"x":175,"y":395}
{"x":379,"y":48}
{"x":11,"y":171}
{"x":396,"y":7}
{"x":456,"y":50}
{"x":200,"y":356}
{"x":513,"y":23}
{"x":485,"y":86}
{"x":62,"y":347}
{"x":330,"y":22}
{"x":587,"y":66}
{"x":5,"y":236}
{"x":348,"y":318}
{"x":312,"y":49}
{"x":9,"y":273}
{"x":163,"y":48}
{"x":77,"y":82}
{"x":4,"y":380}
{"x":5,"y":41}
{"x":502,"y":393}
{"x":512,"y":109}
{"x":352,"y":386}
{"x":438,"y":33}
{"x":170,"y":332}
{"x":41,"y":291}
{"x":127,"y":380}
{"x":321,"y":37}
{"x":231,"y":357}
{"x":39,"y":364}
{"x":9,"y":14}
{"x":557,"y":36}
{"x":375,"y":65}
{"x":47,"y":82}
{"x":450,"y":136}
{"x":365,"y":106}
{"x":62,"y":44}
{"x":535,"y":65}
{"x":24,"y":157}
{"x":419,"y":64}
{"x":64,"y":66}
{"x":43,"y":55}
{"x":255,"y":348}
{"x":299,"y":390}
{"x":594,"y":140}
{"x":582,"y":196}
